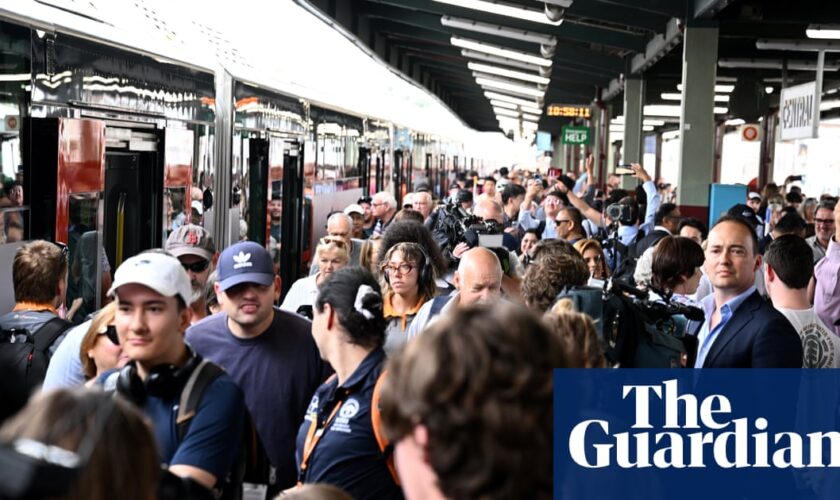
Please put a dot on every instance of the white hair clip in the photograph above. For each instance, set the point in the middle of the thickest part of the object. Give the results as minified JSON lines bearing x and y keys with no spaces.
{"x":360,"y":294}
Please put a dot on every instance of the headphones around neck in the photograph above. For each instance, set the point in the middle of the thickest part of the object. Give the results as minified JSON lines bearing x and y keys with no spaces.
{"x":424,"y":269}
{"x":164,"y":381}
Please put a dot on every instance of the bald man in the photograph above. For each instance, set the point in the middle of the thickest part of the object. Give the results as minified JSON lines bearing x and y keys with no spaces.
{"x":478,"y":280}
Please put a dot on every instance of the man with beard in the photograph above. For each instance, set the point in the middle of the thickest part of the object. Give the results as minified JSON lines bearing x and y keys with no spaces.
{"x":193,"y":246}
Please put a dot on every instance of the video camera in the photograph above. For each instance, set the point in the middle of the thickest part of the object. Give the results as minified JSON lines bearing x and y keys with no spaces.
{"x":638,"y":329}
{"x":621,"y":213}
{"x":459,"y":226}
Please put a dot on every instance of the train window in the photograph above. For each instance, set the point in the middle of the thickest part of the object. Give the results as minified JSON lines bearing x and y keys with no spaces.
{"x":89,"y":270}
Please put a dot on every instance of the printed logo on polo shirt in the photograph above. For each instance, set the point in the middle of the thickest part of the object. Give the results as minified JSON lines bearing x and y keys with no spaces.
{"x":242,"y":259}
{"x":312,"y":410}
{"x":348,"y":410}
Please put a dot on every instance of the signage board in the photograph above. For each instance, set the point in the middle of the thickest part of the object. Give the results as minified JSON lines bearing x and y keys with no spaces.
{"x":799,"y":112}
{"x":576,"y":135}
{"x":568,"y":110}
{"x":543,"y":141}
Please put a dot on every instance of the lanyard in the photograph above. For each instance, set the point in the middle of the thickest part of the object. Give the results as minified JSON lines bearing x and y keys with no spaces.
{"x":313,"y":435}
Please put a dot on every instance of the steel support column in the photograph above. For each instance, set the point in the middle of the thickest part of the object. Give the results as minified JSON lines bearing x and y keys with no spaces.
{"x":634,"y":106}
{"x":697,"y":121}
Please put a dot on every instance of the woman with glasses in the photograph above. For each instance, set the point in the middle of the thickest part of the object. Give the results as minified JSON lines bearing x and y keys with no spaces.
{"x":331,"y":255}
{"x":100,"y":351}
{"x":409,"y":280}
{"x":593,"y":254}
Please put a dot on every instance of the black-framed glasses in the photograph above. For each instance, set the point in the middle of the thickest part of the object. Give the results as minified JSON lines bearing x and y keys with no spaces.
{"x":198,"y":266}
{"x":111,"y":333}
{"x":823,"y":221}
{"x":403,"y":268}
{"x":562,"y":221}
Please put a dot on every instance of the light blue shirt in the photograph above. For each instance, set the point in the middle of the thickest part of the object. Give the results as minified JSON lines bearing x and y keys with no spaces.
{"x":65,"y":368}
{"x":528,"y":221}
{"x":707,"y":337}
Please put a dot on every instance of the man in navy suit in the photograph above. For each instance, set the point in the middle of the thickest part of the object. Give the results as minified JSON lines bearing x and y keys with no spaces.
{"x":741,"y":330}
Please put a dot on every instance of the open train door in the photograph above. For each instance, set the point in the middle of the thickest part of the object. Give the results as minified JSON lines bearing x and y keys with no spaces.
{"x":297,"y":217}
{"x":363,"y":165}
{"x":64,"y":172}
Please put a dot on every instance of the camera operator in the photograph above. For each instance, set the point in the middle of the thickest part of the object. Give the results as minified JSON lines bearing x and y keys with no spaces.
{"x":623,"y":216}
{"x":490,"y":223}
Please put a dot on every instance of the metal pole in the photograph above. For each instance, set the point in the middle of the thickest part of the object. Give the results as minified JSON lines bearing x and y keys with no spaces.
{"x":818,"y":92}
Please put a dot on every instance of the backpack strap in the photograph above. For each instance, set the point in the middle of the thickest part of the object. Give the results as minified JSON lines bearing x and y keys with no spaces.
{"x":51,"y":330}
{"x":200,"y":379}
{"x":385,"y":446}
{"x":437,"y":304}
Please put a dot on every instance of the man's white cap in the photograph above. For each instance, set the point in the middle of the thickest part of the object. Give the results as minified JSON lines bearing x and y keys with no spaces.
{"x":754,"y":195}
{"x":162,"y":273}
{"x":354,"y":208}
{"x":197,"y":206}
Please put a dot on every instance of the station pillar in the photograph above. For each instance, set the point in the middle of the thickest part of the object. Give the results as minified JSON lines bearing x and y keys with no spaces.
{"x":558,"y":156}
{"x":697,"y":121}
{"x":601,"y":142}
{"x":634,"y":110}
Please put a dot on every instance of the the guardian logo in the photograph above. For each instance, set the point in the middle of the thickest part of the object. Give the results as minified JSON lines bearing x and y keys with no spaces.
{"x":693,"y":434}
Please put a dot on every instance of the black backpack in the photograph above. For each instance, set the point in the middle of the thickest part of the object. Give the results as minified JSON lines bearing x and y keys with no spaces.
{"x":24,"y":361}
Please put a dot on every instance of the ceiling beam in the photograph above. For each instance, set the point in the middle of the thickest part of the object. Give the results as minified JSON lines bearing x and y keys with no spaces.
{"x":669,"y":8}
{"x":590,"y":34}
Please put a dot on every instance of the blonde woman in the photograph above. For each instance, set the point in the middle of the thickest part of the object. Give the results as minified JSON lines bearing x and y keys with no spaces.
{"x":331,"y":255}
{"x":100,"y":350}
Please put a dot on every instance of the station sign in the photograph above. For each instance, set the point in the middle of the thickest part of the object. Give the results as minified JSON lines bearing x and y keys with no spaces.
{"x":576,"y":135}
{"x":799,"y":112}
{"x":568,"y":111}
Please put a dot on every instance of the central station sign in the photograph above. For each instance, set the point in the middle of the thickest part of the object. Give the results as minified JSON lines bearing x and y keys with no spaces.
{"x":799,"y":112}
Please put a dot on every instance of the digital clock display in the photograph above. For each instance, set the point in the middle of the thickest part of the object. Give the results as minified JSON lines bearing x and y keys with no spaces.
{"x":568,"y":111}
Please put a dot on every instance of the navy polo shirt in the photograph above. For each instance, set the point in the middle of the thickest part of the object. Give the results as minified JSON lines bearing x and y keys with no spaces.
{"x":214,"y":434}
{"x":347,"y":455}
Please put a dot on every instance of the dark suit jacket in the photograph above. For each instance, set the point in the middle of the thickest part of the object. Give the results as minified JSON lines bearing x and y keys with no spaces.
{"x":648,"y":241}
{"x":756,"y":336}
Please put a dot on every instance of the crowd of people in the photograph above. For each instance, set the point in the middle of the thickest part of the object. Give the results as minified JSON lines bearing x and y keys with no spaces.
{"x":420,"y":333}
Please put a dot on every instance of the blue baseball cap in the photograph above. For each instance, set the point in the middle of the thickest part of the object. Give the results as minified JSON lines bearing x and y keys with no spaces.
{"x":245,"y":262}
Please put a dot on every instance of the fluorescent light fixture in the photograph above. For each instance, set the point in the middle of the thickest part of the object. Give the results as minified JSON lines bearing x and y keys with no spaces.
{"x":509,"y":105}
{"x":510,"y":87}
{"x":502,"y":104}
{"x":503,"y":9}
{"x":619,"y":120}
{"x":497,"y":30}
{"x":723,"y":89}
{"x":796,"y":65}
{"x":795,"y":44}
{"x":18,"y":77}
{"x":672,"y":110}
{"x":823,"y":31}
{"x":734,"y":122}
{"x":619,"y":129}
{"x":676,"y":96}
{"x":511,"y":99}
{"x":499,"y":51}
{"x":508,"y":73}
{"x":829,"y":105}
{"x":481,"y":56}
{"x":506,"y":112}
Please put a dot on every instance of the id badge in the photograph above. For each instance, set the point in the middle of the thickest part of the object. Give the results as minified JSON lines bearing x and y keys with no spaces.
{"x":251,"y":491}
